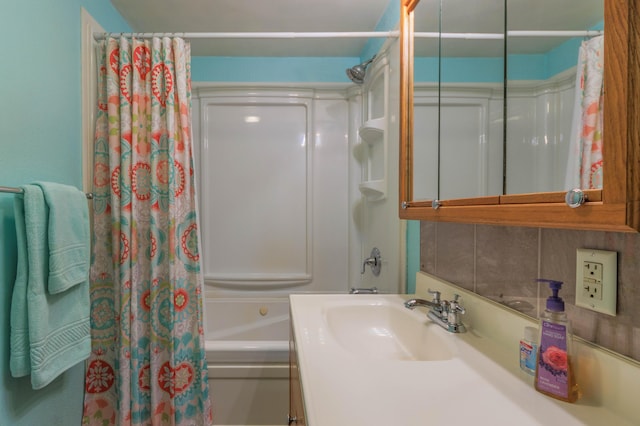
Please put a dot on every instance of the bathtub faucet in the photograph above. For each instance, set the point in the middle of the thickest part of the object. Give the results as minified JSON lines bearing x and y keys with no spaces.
{"x":444,"y":313}
{"x":373,"y":261}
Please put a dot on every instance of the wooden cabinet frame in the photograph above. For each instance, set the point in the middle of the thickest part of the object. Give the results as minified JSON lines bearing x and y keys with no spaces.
{"x":614,"y":208}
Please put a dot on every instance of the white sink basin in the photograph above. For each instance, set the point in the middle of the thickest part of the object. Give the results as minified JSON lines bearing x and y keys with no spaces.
{"x":377,"y":329}
{"x":367,"y":360}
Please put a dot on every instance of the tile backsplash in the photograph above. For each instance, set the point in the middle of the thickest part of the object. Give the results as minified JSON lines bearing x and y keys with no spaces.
{"x":502,"y":263}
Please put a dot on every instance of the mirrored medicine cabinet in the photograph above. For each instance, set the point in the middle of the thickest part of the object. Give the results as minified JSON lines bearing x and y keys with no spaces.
{"x":487,"y":97}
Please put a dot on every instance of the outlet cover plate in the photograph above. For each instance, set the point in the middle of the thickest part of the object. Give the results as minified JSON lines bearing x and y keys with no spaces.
{"x":597,"y":280}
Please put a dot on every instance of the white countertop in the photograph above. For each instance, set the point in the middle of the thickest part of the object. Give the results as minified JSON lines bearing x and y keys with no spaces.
{"x":343,"y":388}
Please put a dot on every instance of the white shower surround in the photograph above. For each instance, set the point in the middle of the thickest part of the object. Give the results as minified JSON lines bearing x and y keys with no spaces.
{"x":539,"y":131}
{"x":468,"y":134}
{"x":274,"y":202}
{"x":332,"y":225}
{"x":282,"y":194}
{"x":539,"y":117}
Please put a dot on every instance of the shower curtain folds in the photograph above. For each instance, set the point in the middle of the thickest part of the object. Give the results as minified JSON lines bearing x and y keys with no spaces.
{"x":148,"y":363}
{"x":585,"y":161}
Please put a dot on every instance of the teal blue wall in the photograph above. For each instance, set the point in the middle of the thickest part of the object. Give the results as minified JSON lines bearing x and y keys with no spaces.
{"x":413,"y":254}
{"x":388,"y":22}
{"x":490,"y":70}
{"x":290,"y":69}
{"x":270,"y":70}
{"x":482,"y":70}
{"x":40,"y":131}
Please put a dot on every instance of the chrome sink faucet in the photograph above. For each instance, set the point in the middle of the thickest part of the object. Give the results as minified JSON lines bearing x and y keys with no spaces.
{"x":444,"y":313}
{"x":434,"y":304}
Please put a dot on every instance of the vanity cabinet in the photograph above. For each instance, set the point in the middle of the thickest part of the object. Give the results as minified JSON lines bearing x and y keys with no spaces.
{"x":296,"y":399}
{"x":615,"y":207}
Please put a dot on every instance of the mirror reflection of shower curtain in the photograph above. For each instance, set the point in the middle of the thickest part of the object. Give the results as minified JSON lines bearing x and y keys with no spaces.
{"x":584,"y":166}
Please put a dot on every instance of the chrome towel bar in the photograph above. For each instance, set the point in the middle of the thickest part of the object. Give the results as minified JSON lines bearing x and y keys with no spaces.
{"x":19,"y":191}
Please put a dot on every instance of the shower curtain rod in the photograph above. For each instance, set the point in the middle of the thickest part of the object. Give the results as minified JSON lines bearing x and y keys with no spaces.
{"x":265,"y":35}
{"x":20,"y":191}
{"x":500,"y":36}
{"x":361,"y":34}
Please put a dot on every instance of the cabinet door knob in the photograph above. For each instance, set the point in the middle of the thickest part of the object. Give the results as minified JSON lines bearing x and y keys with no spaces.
{"x":575,"y":198}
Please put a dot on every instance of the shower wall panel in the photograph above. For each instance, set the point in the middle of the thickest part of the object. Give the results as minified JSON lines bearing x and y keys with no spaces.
{"x":539,"y":129}
{"x":272,"y":170}
{"x":468,"y":142}
{"x":459,"y":131}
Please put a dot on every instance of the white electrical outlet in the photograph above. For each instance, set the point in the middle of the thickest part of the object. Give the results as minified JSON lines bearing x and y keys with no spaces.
{"x":597,"y":280}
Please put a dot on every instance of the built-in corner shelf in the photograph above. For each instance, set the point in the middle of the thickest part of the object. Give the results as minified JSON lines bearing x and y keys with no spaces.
{"x":373,"y":189}
{"x":372,"y":135}
{"x":373,"y":130}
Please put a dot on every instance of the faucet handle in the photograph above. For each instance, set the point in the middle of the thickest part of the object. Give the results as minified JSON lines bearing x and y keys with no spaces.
{"x":373,"y":261}
{"x":436,"y":295}
{"x":454,"y":305}
{"x":458,"y":308}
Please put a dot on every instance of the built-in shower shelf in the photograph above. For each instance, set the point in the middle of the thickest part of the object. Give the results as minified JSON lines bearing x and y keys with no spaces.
{"x":373,"y":130}
{"x":373,"y":189}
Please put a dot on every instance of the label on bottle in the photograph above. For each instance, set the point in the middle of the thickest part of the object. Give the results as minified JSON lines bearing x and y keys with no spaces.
{"x":528,"y":356}
{"x":553,"y":362}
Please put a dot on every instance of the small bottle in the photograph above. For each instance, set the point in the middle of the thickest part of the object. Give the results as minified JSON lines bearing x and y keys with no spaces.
{"x":554,"y":372}
{"x":529,"y":350}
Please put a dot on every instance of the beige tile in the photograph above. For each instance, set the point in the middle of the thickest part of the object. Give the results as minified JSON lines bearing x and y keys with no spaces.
{"x":558,"y":259}
{"x":428,"y":247}
{"x":454,"y":260}
{"x":503,"y":263}
{"x":584,"y":322}
{"x":623,"y":337}
{"x":628,"y":249}
{"x":506,"y":261}
{"x":635,"y":343}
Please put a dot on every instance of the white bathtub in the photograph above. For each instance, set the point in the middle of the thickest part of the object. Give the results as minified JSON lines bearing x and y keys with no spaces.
{"x":247,"y":346}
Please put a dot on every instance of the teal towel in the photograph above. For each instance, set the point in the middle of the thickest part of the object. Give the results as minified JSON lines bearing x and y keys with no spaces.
{"x":49,"y":332}
{"x":19,"y":360}
{"x":69,"y":240}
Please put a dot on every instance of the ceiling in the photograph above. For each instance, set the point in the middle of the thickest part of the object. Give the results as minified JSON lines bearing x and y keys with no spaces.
{"x":259,"y":16}
{"x":488,"y":16}
{"x":355,"y":16}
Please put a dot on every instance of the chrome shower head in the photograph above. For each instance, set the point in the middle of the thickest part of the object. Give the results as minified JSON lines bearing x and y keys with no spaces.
{"x":357,"y":73}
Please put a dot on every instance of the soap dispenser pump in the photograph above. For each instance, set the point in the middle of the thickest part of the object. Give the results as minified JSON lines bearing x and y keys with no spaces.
{"x":554,"y":371}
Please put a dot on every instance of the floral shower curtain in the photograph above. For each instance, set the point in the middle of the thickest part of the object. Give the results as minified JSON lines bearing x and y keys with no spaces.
{"x":584,"y":166}
{"x":147,"y":364}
